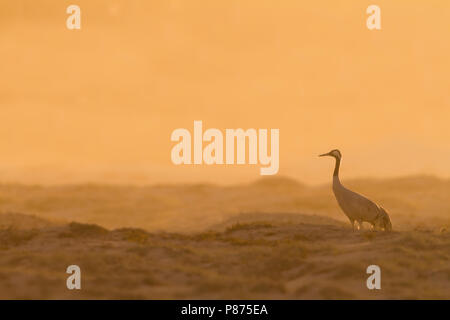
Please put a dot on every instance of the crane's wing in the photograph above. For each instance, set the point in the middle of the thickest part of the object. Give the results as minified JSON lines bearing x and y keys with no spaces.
{"x":355,"y":205}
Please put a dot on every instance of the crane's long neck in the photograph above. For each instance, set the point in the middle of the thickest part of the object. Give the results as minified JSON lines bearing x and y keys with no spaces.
{"x":336,"y":168}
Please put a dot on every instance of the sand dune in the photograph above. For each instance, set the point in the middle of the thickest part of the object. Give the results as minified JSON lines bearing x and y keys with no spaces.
{"x":413,"y":202}
{"x":251,"y":256}
{"x":272,"y":239}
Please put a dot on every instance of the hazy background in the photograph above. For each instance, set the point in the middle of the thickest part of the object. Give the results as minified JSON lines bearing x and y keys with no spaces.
{"x":99,"y":104}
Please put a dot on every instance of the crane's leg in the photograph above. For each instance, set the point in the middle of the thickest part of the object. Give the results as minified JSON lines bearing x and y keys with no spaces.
{"x":353,"y":225}
{"x":360,"y":225}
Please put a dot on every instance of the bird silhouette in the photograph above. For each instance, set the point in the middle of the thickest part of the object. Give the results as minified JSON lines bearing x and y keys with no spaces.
{"x":355,"y":206}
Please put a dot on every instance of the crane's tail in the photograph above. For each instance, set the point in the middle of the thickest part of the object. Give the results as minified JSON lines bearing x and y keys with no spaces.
{"x":385,"y":220}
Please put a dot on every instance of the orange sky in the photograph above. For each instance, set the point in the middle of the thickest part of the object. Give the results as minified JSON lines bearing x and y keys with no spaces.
{"x":100,"y":104}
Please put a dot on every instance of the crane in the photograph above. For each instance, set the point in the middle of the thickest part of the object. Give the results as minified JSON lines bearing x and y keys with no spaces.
{"x":355,"y":206}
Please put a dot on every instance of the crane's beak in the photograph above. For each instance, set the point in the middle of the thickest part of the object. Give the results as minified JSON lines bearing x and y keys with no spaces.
{"x":325,"y":154}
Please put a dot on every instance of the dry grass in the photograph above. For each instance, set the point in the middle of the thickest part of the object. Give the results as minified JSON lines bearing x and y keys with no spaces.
{"x":240,"y":262}
{"x":221,"y":253}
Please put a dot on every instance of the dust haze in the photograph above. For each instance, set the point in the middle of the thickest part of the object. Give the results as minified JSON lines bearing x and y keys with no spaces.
{"x":85,"y":171}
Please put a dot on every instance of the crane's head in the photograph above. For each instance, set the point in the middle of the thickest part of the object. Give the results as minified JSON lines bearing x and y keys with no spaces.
{"x":333,"y":153}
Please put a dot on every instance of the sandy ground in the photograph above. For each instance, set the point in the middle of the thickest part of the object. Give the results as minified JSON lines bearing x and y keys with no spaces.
{"x":273,"y":239}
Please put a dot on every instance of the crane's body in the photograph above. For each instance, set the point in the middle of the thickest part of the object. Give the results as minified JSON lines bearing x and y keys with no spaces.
{"x":355,"y":206}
